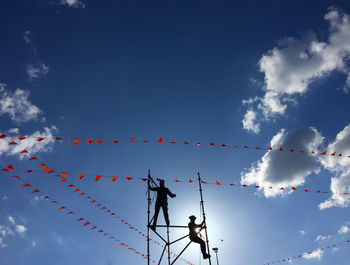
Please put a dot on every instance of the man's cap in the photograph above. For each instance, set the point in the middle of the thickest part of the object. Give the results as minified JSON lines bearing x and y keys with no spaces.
{"x":192,"y":217}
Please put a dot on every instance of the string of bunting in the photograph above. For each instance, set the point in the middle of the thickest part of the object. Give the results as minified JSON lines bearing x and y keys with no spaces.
{"x":307,"y":253}
{"x":15,"y":139}
{"x":116,"y":179}
{"x":85,"y":223}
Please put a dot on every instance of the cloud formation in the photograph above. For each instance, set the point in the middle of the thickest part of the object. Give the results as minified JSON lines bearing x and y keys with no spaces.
{"x":6,"y":231}
{"x":285,"y":169}
{"x":340,"y":167}
{"x":72,"y":3}
{"x":344,"y":230}
{"x":35,"y":71}
{"x":17,"y":105}
{"x":294,"y":64}
{"x":317,"y":254}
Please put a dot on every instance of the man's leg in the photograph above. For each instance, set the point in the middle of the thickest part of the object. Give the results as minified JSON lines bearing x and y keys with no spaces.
{"x":202,"y":243}
{"x":165,"y":212}
{"x":155,"y":217}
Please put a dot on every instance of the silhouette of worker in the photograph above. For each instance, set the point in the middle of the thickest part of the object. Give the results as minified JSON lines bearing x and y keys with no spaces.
{"x":161,"y":202}
{"x":194,"y":235}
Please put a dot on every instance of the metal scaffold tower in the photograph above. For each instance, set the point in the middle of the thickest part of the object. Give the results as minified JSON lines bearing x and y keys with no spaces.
{"x":166,"y":240}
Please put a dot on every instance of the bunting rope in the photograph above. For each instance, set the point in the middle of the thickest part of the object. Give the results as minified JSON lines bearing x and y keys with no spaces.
{"x":161,"y":141}
{"x":85,"y":222}
{"x":307,"y":253}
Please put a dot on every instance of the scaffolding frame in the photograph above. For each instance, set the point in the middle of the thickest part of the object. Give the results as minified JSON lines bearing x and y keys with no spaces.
{"x":167,"y":240}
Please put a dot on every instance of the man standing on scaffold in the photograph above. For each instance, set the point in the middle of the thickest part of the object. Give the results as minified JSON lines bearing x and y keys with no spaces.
{"x":161,"y":202}
{"x":194,"y":235}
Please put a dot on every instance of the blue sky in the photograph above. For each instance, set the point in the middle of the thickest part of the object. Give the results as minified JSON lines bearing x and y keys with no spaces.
{"x":240,"y":73}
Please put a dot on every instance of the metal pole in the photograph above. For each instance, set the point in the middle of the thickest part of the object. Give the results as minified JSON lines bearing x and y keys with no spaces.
{"x":203,"y":212}
{"x":216,"y":252}
{"x":148,"y":215}
{"x":168,"y":244}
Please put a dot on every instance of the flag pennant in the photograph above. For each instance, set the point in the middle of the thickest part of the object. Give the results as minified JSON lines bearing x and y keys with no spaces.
{"x":204,"y":182}
{"x":97,"y":178}
{"x":270,"y":148}
{"x":22,"y":138}
{"x":12,"y":143}
{"x":54,"y":202}
{"x":99,"y":141}
{"x":29,"y":170}
{"x":33,"y":158}
{"x":325,"y":152}
{"x":114,"y":179}
{"x":80,"y":219}
{"x":81,"y":176}
{"x":94,"y":227}
{"x":293,"y":188}
{"x":223,"y":145}
{"x":128,"y":178}
{"x":211,"y":144}
{"x":59,"y":138}
{"x":36,"y":190}
{"x":70,"y":212}
{"x":132,"y":140}
{"x":93,"y":201}
{"x":172,"y":142}
{"x":190,"y":181}
{"x":42,"y":165}
{"x":340,"y":154}
{"x":63,"y":180}
{"x":46,"y":169}
{"x":64,"y":174}
{"x":176,"y":180}
{"x":87,"y":223}
{"x":186,"y":142}
{"x":160,"y":140}
{"x":82,"y":193}
{"x":63,"y":207}
{"x":26,"y":185}
{"x":9,"y":167}
{"x":90,"y":141}
{"x":333,"y":154}
{"x":218,"y":183}
{"x":40,"y":139}
{"x":116,"y":141}
{"x":281,"y":149}
{"x":70,"y":185}
{"x":245,"y":146}
{"x":75,"y":141}
{"x":17,"y":177}
{"x":2,"y":136}
{"x":24,"y":151}
{"x":76,"y":190}
{"x":5,"y":169}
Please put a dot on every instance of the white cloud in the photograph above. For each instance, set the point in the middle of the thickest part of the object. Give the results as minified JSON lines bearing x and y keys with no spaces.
{"x":302,"y":232}
{"x":2,"y":244}
{"x":322,"y":238}
{"x":317,"y":254}
{"x":28,"y":39}
{"x":72,"y":3}
{"x":34,"y":243}
{"x":285,"y":169}
{"x":4,"y":198}
{"x":292,"y":66}
{"x":30,"y":144}
{"x":340,"y":166}
{"x":17,"y":105}
{"x":21,"y":229}
{"x":6,"y":231}
{"x":37,"y":70}
{"x":13,"y":131}
{"x":344,"y":230}
{"x":249,"y":121}
{"x":11,"y":220}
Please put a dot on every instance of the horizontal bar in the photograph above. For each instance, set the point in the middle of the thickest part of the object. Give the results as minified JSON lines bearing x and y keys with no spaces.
{"x":176,"y":226}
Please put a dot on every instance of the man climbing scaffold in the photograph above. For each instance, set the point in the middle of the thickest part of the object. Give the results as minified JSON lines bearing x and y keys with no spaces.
{"x":194,"y":235}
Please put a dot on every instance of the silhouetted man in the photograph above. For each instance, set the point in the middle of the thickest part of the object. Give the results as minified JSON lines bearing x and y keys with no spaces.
{"x":161,"y":202}
{"x":194,"y":235}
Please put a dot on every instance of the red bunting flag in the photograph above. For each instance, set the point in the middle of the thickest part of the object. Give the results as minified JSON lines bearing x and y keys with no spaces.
{"x":204,"y":182}
{"x":81,"y":176}
{"x":75,"y":141}
{"x":340,"y":154}
{"x":5,"y":169}
{"x":80,"y":219}
{"x":63,"y":180}
{"x":28,"y":171}
{"x":128,"y":178}
{"x":257,"y":186}
{"x":116,"y":141}
{"x":302,"y":152}
{"x":172,"y":142}
{"x":12,"y":143}
{"x":40,"y":139}
{"x":245,"y":146}
{"x":59,"y":138}
{"x":46,"y":197}
{"x":293,"y":188}
{"x":325,"y":152}
{"x":46,"y":169}
{"x":190,"y":181}
{"x":87,"y":223}
{"x":186,"y":142}
{"x":218,"y":183}
{"x":76,"y":190}
{"x":93,"y":201}
{"x":333,"y":154}
{"x":9,"y":167}
{"x":132,"y":140}
{"x":94,"y":227}
{"x":270,"y":148}
{"x":26,"y":185}
{"x":33,"y":158}
{"x":176,"y":180}
{"x":281,"y":149}
{"x":245,"y":185}
{"x":90,"y":141}
{"x":160,"y":140}
{"x":63,"y":207}
{"x":82,"y":193}
{"x":2,"y":136}
{"x":24,"y":151}
{"x":36,"y":190}
{"x":223,"y":145}
{"x":70,"y":185}
{"x":291,"y":150}
{"x":70,"y":212}
{"x":42,"y":165}
{"x":99,"y":141}
{"x":211,"y":144}
{"x":114,"y":179}
{"x":97,"y":178}
{"x":64,"y":174}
